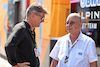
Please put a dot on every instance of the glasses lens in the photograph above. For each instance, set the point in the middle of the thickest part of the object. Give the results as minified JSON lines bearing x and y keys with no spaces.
{"x":40,"y":16}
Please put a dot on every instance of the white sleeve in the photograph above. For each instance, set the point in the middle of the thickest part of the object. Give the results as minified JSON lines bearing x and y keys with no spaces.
{"x":92,"y":52}
{"x":55,"y":51}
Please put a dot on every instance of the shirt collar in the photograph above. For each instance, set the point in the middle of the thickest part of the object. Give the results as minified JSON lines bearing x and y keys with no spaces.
{"x":80,"y":37}
{"x":68,"y":38}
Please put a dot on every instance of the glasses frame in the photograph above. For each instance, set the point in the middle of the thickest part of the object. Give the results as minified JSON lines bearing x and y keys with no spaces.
{"x":42,"y":18}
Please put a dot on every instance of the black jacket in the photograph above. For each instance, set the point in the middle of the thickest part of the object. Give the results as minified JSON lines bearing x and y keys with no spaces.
{"x":20,"y":46}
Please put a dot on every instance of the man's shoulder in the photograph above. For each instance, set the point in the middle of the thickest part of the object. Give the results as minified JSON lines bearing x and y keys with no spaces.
{"x":19,"y":26}
{"x":86,"y":38}
{"x":64,"y":37}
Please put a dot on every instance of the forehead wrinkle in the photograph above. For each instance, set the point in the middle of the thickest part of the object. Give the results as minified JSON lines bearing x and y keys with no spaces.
{"x":73,"y":15}
{"x":73,"y":18}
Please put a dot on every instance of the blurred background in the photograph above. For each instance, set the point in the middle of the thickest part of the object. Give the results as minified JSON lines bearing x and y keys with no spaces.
{"x":13,"y":12}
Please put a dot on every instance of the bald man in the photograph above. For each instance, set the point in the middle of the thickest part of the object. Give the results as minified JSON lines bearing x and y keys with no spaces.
{"x":74,"y":49}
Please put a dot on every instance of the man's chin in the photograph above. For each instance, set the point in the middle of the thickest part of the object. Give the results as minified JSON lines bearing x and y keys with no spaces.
{"x":69,"y":31}
{"x":37,"y":26}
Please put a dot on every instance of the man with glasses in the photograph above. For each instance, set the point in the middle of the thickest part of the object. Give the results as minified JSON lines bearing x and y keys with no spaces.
{"x":21,"y":48}
{"x":74,"y":49}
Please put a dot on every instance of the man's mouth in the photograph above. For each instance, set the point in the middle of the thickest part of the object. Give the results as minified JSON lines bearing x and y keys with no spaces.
{"x":69,"y":28}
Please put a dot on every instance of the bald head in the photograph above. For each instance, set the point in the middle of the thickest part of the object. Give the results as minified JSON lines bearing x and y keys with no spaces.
{"x":75,"y":15}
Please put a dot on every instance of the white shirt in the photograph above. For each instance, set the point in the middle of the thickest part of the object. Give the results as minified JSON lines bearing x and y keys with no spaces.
{"x":81,"y":55}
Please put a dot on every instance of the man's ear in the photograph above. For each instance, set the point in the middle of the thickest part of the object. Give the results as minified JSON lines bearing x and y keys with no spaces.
{"x":32,"y":15}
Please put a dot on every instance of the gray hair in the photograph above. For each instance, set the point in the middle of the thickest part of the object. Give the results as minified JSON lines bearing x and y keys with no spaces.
{"x":36,"y":7}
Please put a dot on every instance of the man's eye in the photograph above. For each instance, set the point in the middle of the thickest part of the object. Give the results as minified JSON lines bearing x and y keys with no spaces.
{"x":72,"y":22}
{"x":66,"y":22}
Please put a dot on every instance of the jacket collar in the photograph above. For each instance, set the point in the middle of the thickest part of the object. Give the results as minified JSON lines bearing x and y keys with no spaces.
{"x":27,"y":25}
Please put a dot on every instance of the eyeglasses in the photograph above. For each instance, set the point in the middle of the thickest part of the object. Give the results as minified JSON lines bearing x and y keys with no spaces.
{"x":42,"y":18}
{"x":71,"y":23}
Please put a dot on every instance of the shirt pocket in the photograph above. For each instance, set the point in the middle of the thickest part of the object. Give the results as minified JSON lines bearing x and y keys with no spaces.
{"x":79,"y":53}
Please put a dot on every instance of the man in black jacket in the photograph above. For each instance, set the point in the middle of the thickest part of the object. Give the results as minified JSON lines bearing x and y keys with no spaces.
{"x":21,"y":49}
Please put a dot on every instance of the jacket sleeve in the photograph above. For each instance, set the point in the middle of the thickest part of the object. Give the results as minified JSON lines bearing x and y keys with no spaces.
{"x":10,"y":47}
